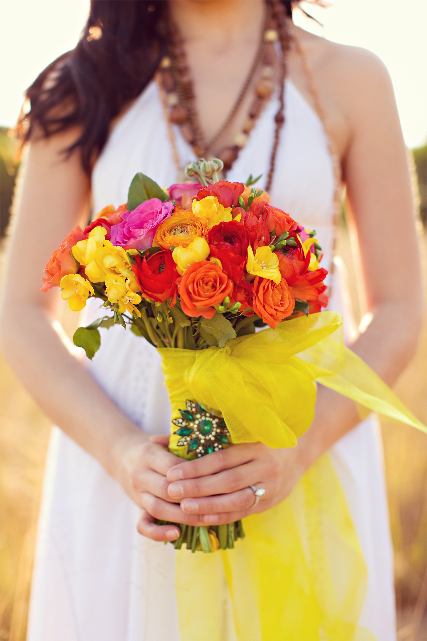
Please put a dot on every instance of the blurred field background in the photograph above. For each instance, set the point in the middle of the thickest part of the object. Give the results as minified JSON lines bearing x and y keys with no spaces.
{"x":25,"y":431}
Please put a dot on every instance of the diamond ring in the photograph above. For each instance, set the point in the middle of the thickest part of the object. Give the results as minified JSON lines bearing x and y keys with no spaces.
{"x":258,"y":493}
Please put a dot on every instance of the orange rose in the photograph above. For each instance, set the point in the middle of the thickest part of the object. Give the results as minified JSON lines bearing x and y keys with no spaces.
{"x":179,"y":230}
{"x":265,"y":196}
{"x":62,"y":262}
{"x":202,"y":286}
{"x":273,"y":302}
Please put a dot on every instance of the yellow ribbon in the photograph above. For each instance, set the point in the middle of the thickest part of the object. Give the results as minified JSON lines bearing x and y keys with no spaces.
{"x":299,"y":574}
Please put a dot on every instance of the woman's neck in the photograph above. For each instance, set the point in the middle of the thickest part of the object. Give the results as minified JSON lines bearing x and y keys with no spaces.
{"x":219,"y":23}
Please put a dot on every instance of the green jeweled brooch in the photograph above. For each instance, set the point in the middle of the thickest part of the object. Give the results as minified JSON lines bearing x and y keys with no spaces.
{"x":200,"y":430}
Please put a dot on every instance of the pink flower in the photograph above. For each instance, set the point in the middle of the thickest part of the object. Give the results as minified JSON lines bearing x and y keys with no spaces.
{"x":183,"y":193}
{"x":137,"y":229}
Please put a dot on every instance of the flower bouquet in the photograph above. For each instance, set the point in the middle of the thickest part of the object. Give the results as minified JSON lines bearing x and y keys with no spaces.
{"x":194,"y":270}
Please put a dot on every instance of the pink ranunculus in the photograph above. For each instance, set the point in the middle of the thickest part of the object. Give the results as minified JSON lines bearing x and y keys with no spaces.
{"x":137,"y":229}
{"x":184,"y":193}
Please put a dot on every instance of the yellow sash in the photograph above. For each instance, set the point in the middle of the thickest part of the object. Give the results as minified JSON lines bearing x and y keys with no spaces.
{"x":299,"y":575}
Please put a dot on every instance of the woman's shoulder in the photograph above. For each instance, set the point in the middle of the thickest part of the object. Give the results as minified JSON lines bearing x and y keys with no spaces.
{"x":350,"y":81}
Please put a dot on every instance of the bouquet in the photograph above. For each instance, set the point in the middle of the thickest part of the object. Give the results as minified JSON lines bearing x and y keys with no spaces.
{"x":195,"y":269}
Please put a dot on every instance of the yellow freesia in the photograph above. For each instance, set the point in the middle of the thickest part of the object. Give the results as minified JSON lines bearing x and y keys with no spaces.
{"x":195,"y":252}
{"x":76,"y":290}
{"x":101,"y":258}
{"x":265,"y":263}
{"x":123,"y":292}
{"x":211,"y":211}
{"x":314,"y":263}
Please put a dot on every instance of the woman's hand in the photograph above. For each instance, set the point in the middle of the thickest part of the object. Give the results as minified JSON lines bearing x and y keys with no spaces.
{"x":215,"y":489}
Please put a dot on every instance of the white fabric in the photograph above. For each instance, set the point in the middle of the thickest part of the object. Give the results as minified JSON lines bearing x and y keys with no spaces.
{"x":95,"y":578}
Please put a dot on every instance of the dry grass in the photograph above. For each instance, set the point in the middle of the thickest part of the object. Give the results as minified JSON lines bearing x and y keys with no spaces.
{"x":23,"y":442}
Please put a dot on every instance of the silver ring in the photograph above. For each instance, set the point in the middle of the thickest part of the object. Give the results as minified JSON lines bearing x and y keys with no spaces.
{"x":258,"y":493}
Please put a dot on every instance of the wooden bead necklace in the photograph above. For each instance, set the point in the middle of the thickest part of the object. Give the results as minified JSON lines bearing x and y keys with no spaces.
{"x":178,"y":99}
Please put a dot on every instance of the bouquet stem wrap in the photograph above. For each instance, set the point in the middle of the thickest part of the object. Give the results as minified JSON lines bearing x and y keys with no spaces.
{"x":299,"y":573}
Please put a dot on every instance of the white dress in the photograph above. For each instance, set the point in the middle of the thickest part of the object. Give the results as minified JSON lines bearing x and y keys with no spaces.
{"x":95,"y":577}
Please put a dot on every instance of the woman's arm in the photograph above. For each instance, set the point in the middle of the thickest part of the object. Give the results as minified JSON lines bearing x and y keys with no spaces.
{"x":382,"y":217}
{"x":53,"y":197}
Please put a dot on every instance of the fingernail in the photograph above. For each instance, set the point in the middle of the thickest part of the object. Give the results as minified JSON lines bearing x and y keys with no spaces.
{"x":174,"y":475}
{"x":176,"y":490}
{"x":189,"y":506}
{"x":171,"y":535}
{"x":211,"y":519}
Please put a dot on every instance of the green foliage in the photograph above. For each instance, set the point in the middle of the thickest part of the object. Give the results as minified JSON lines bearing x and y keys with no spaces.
{"x":89,"y":339}
{"x":143,"y":188}
{"x":8,"y":171}
{"x":420,"y":158}
{"x":219,"y":328}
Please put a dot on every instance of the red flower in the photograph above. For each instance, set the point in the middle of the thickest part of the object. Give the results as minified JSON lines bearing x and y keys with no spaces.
{"x":227,"y":193}
{"x":256,"y":228}
{"x":62,"y":261}
{"x":277,"y":220}
{"x":99,"y":222}
{"x":156,"y":276}
{"x":243,"y":293}
{"x":231,"y":237}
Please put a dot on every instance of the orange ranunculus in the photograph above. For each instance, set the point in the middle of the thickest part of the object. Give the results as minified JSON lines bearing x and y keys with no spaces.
{"x":114,"y":216}
{"x":62,"y":261}
{"x":179,"y":230}
{"x":273,"y":302}
{"x":202,"y":286}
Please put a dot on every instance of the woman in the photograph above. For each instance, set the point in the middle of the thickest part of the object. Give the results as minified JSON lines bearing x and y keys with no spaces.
{"x":100,"y":572}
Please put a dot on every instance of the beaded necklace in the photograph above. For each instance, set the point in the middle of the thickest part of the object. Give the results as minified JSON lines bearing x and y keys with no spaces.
{"x":178,"y":100}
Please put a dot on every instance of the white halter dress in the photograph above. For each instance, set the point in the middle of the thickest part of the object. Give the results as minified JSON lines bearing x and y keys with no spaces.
{"x":95,"y":577}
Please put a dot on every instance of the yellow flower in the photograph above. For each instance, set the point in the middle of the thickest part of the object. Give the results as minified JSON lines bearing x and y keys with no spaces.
{"x":314,"y":264}
{"x":216,"y":261}
{"x":211,"y":212}
{"x":90,"y":253}
{"x":196,"y":251}
{"x":76,"y":290}
{"x":122,"y":292}
{"x":101,"y":258}
{"x":213,"y":540}
{"x":265,"y":263}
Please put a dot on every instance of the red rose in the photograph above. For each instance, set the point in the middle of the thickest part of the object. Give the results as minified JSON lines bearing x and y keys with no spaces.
{"x":227,"y":193}
{"x":156,"y":276}
{"x":62,"y":261}
{"x":99,"y":222}
{"x":231,"y":236}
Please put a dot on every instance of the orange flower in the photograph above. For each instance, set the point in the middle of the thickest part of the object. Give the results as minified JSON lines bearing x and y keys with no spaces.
{"x":114,"y":216}
{"x":273,"y":302}
{"x":265,"y":196}
{"x":62,"y":262}
{"x":202,"y":286}
{"x":179,"y":230}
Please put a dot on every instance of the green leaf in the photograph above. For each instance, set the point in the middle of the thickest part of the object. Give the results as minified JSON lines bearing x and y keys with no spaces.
{"x":219,"y":327}
{"x":251,"y":181}
{"x":301,"y":306}
{"x":107,"y":322}
{"x":143,"y":188}
{"x":208,"y":338}
{"x":179,"y":317}
{"x":89,"y":339}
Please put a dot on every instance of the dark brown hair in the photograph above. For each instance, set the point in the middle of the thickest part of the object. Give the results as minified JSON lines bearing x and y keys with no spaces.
{"x":117,"y":55}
